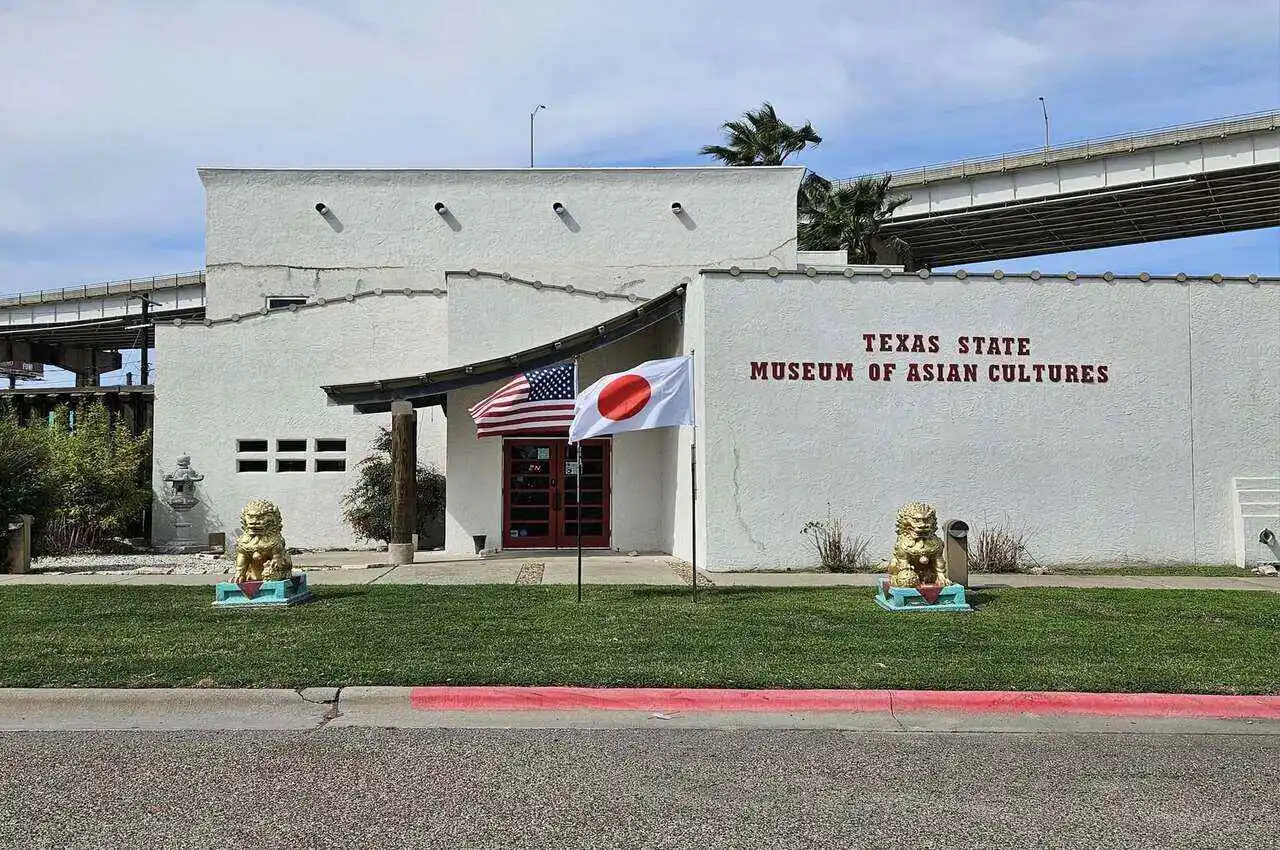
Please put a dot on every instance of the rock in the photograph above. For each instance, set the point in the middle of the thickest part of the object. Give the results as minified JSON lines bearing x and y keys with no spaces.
{"x":632,"y":553}
{"x":1039,"y":571}
{"x":1265,"y":570}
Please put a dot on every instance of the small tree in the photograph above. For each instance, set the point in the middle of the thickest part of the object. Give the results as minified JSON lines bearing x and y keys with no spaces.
{"x":27,"y":485}
{"x":368,"y":504}
{"x":846,"y":217}
{"x":96,"y":469}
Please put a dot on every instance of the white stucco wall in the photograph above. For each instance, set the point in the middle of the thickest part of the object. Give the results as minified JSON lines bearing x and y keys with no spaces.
{"x":261,"y":376}
{"x":618,"y":227}
{"x":680,"y":442}
{"x":1235,"y":370}
{"x":1091,"y":471}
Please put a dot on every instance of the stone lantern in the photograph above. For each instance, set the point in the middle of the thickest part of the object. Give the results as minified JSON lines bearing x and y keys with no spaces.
{"x":182,"y":498}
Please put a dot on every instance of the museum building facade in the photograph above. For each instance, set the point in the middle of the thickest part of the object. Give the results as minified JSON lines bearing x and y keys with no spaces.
{"x":1109,"y":417}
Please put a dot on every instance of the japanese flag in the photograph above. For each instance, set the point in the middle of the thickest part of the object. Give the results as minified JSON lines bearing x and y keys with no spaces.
{"x":656,"y":394}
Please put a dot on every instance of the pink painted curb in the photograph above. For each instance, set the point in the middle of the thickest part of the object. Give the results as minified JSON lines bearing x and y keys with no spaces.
{"x":509,"y":698}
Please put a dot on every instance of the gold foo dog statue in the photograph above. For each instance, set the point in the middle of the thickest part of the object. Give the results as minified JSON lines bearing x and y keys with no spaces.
{"x":260,"y":550}
{"x":917,"y":553}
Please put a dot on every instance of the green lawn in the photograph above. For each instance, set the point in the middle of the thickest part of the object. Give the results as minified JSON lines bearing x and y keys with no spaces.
{"x":1050,"y":639}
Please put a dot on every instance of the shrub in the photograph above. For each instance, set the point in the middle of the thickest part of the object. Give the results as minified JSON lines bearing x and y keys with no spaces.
{"x":27,"y":485}
{"x":368,"y":504}
{"x":1000,"y":548}
{"x":97,"y":470}
{"x":83,"y":485}
{"x":837,"y":553}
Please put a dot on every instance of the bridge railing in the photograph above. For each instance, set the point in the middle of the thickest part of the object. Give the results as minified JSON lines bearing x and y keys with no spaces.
{"x":97,"y":290}
{"x":1083,"y":149}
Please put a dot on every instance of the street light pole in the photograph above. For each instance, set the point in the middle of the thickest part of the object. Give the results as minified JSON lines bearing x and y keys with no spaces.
{"x":147,"y":324}
{"x":531,"y":114}
{"x":1045,"y":109}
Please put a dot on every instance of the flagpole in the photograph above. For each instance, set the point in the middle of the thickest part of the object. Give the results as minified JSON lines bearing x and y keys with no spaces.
{"x":693,"y":482}
{"x":578,"y":511}
{"x":578,"y":479}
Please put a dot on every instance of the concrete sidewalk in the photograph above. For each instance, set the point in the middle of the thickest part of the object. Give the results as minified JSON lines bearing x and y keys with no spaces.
{"x":559,"y":568}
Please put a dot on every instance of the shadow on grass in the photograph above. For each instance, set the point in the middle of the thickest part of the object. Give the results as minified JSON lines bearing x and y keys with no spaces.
{"x":978,"y":598}
{"x":664,"y":591}
{"x":324,"y":594}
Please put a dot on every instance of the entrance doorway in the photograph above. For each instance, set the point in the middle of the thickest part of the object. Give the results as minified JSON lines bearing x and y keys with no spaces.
{"x":540,"y":509}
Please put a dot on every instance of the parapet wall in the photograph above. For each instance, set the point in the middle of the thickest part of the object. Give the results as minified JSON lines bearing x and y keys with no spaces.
{"x":1104,"y":417}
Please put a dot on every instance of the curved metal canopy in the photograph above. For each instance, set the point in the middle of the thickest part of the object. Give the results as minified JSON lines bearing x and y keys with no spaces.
{"x":431,"y":389}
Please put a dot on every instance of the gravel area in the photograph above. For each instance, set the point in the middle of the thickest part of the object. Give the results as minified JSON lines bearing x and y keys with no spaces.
{"x":515,"y":789}
{"x":531,"y":572}
{"x":684,"y":570}
{"x":146,"y":565}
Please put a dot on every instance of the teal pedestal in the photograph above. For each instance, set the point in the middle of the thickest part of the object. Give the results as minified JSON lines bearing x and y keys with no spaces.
{"x":949,"y":598}
{"x":262,"y":594}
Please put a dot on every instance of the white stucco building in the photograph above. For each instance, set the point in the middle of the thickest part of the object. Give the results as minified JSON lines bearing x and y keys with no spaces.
{"x":1108,"y":417}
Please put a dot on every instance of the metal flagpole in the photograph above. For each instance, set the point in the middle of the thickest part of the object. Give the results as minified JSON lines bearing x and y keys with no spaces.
{"x":577,"y":452}
{"x":693,"y":484}
{"x":578,"y":513}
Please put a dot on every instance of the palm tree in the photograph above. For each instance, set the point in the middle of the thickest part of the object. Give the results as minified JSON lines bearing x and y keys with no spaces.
{"x":850,"y":216}
{"x":761,"y":138}
{"x":847,"y":216}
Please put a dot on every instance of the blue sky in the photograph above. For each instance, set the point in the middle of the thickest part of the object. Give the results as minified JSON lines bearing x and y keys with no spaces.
{"x":110,"y":107}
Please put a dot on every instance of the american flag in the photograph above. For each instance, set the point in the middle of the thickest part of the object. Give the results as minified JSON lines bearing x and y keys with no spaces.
{"x":537,"y":400}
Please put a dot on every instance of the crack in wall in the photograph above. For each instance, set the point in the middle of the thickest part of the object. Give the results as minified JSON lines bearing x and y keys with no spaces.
{"x":737,"y":503}
{"x":771,"y":254}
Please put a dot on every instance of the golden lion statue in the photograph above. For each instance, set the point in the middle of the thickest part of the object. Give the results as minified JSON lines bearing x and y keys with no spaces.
{"x":917,"y":553}
{"x":260,"y":551}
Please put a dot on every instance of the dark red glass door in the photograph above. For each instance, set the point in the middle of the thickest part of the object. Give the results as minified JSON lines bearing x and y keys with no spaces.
{"x":540,"y":494}
{"x":531,"y":490}
{"x":593,"y":513}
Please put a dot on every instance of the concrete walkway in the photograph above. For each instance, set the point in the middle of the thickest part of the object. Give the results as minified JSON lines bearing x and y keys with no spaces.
{"x":356,"y":568}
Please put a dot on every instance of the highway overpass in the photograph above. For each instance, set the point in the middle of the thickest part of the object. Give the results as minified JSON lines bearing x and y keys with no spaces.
{"x":1192,"y":180}
{"x":83,"y":328}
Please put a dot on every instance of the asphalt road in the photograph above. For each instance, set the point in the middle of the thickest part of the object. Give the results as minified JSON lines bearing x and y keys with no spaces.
{"x":540,"y":788}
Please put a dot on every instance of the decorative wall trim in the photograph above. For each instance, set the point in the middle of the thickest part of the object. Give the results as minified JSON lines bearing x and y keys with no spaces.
{"x":410,"y":292}
{"x":376,"y":292}
{"x":995,"y":274}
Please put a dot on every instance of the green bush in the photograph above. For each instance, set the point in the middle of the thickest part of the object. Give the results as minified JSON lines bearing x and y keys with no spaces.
{"x":368,"y":504}
{"x":83,"y":484}
{"x":98,"y":469}
{"x":27,"y":483}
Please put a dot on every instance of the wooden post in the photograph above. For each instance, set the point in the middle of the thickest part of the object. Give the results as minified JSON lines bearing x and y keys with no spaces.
{"x":18,"y":542}
{"x":404,"y":467}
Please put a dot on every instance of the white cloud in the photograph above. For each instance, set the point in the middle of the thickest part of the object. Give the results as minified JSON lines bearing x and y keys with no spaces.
{"x":108,"y":107}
